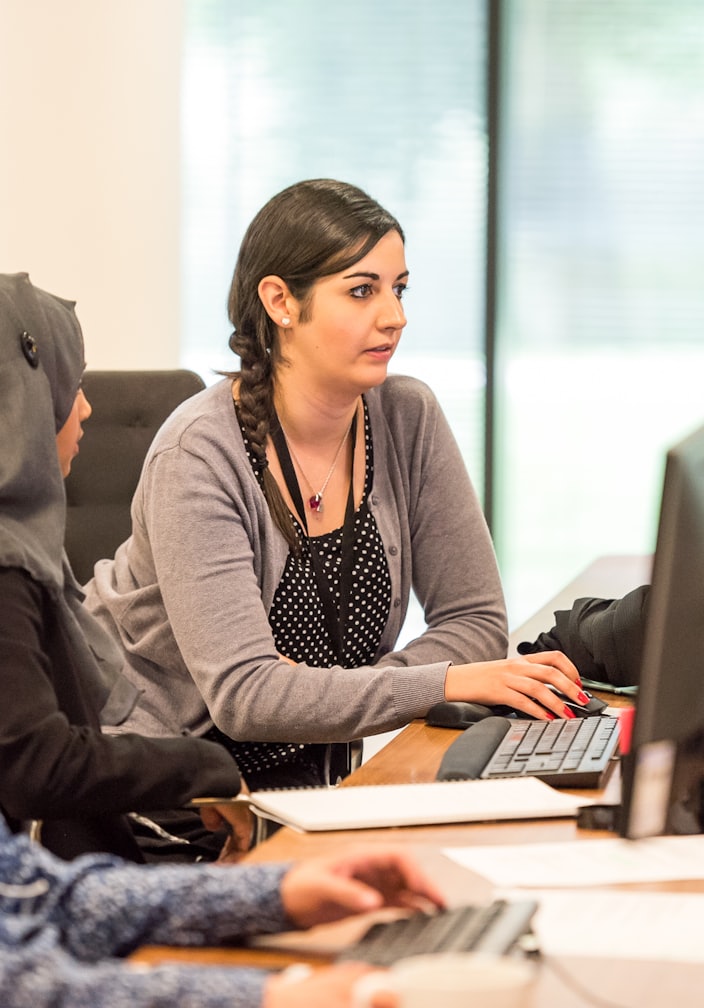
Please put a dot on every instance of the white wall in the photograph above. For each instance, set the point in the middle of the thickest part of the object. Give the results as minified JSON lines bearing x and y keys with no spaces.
{"x":89,"y":166}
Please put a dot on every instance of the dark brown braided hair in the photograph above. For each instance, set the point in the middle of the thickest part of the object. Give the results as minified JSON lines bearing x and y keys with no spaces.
{"x":310,"y":230}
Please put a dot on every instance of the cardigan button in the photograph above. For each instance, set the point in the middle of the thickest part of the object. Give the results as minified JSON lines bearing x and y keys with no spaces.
{"x":29,"y":348}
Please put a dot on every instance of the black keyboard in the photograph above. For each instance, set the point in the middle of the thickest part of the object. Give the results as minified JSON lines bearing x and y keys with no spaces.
{"x":494,"y":929}
{"x":575,"y":752}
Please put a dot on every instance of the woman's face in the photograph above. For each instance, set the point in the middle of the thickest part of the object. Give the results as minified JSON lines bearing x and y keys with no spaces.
{"x":72,"y":431}
{"x":354,"y":323}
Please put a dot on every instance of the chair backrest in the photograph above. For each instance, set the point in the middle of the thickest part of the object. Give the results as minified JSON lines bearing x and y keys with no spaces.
{"x":128,"y":409}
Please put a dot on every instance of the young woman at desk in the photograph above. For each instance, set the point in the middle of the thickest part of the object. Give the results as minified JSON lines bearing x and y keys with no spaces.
{"x":285,"y":513}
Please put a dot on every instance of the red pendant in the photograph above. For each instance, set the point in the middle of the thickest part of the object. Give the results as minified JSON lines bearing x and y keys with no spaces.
{"x":315,"y":503}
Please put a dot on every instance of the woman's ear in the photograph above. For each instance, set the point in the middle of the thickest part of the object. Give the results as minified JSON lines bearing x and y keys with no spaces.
{"x":278,"y":301}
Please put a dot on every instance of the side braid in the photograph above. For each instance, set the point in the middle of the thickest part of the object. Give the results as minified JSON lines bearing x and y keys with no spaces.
{"x":256,"y":409}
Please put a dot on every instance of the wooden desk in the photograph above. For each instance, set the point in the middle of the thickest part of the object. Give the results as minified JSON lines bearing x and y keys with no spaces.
{"x":414,"y":755}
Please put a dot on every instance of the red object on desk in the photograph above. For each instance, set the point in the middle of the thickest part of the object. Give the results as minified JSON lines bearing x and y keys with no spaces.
{"x":625,"y":723}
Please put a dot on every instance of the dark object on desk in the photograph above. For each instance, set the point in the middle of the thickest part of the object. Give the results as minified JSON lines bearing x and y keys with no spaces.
{"x":603,"y":637}
{"x":495,"y":929}
{"x":578,"y":752}
{"x":456,"y":714}
{"x":590,"y":709}
{"x":599,"y":817}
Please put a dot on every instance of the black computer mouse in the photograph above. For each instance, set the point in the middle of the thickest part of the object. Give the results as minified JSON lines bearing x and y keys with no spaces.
{"x":593,"y":707}
{"x":456,"y":714}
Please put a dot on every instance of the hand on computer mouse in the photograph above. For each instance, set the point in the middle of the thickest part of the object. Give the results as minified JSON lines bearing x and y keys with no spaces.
{"x":589,"y":709}
{"x":522,"y":683}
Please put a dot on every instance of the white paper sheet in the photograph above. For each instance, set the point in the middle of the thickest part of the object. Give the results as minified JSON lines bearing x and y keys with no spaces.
{"x":623,"y":925}
{"x":585,"y":862}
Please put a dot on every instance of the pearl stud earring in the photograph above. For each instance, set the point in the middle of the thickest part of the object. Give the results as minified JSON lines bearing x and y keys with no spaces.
{"x":285,"y":320}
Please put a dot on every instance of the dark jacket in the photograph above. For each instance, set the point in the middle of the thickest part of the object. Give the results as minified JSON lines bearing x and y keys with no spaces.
{"x":603,"y":637}
{"x":56,"y":765}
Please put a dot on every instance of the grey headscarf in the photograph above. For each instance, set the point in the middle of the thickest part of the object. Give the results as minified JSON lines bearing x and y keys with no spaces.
{"x":41,"y":365}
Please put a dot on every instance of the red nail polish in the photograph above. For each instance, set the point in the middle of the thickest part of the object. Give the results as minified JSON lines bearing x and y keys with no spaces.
{"x":568,"y":713}
{"x":583,"y":698}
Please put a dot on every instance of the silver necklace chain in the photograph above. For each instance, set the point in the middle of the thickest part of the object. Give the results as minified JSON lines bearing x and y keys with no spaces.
{"x":315,"y":501}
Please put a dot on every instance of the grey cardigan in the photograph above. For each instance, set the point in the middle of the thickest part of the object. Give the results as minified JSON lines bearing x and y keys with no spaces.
{"x":188,"y":594}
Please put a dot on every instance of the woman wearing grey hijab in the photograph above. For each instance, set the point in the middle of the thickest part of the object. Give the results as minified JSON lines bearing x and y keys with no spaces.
{"x":57,"y":671}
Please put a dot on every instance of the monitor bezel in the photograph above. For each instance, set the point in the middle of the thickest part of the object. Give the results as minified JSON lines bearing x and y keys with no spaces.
{"x":663,"y":774}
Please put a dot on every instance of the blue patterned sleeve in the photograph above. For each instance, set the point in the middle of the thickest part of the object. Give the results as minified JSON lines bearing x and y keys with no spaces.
{"x":168,"y":905}
{"x":65,"y":928}
{"x":53,"y":979}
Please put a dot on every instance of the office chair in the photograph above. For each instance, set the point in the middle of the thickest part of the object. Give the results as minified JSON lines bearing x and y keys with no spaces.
{"x":128,"y":409}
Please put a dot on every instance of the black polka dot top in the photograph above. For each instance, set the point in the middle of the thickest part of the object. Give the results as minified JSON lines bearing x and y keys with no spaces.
{"x":300,"y":632}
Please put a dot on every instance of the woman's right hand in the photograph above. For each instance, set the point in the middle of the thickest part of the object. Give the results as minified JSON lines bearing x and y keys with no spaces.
{"x":521,"y":682}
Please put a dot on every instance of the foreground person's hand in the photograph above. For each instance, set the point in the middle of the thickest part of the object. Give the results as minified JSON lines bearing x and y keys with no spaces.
{"x":325,"y":987}
{"x":360,"y":879}
{"x":239,"y":819}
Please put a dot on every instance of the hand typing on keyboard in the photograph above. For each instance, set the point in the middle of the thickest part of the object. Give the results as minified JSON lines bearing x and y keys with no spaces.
{"x":364,"y":878}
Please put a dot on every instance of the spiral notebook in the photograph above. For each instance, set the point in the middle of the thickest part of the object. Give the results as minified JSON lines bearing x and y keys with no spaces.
{"x":381,"y":805}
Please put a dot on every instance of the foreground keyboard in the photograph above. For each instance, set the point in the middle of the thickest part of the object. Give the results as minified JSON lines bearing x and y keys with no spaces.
{"x":494,"y":929}
{"x":575,"y":752}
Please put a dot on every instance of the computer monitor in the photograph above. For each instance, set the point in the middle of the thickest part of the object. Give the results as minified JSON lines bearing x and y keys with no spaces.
{"x":663,"y":774}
